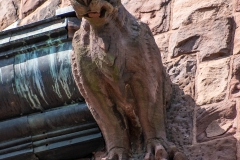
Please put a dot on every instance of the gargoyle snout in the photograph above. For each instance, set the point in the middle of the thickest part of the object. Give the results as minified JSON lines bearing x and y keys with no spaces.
{"x":98,"y":8}
{"x":92,"y":8}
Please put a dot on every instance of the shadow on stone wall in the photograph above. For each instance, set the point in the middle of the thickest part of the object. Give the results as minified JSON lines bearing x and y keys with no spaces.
{"x":180,"y":118}
{"x":208,"y":136}
{"x":201,"y":129}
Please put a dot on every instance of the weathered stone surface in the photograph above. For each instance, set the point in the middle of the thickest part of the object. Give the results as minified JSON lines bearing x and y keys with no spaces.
{"x":180,"y":118}
{"x":46,"y":10}
{"x":156,"y":13}
{"x":218,"y":127}
{"x":211,"y":38}
{"x":65,"y":3}
{"x":238,"y":128}
{"x":191,"y":11}
{"x":9,"y":12}
{"x":215,"y":120}
{"x":212,"y":81}
{"x":238,"y":148}
{"x":238,"y":118}
{"x":236,"y":49}
{"x":162,"y":41}
{"x":235,"y":81}
{"x":180,"y":112}
{"x":182,"y":73}
{"x":221,"y":149}
{"x":28,"y":6}
{"x":237,"y":5}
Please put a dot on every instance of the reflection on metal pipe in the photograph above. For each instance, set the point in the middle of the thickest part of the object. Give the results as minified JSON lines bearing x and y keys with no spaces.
{"x":35,"y":70}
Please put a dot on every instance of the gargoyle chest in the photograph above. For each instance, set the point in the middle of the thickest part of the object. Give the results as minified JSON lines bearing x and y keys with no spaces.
{"x":106,"y":54}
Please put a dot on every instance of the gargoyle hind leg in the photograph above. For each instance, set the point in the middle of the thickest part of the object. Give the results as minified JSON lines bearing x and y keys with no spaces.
{"x":106,"y":115}
{"x":152,"y":121}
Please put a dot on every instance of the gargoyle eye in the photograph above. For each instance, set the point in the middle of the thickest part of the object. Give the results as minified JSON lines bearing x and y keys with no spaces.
{"x":80,"y":2}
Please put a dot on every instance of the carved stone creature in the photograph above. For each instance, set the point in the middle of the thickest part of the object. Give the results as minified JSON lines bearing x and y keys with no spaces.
{"x":117,"y":67}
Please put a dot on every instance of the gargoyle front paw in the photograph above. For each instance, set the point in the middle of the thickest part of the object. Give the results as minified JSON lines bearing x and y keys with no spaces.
{"x":156,"y":151}
{"x":117,"y":154}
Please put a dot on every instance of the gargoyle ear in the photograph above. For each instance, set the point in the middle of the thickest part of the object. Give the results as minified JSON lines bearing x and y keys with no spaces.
{"x":77,"y":7}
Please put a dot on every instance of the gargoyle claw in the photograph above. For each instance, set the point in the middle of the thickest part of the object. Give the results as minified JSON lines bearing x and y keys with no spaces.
{"x":155,"y":151}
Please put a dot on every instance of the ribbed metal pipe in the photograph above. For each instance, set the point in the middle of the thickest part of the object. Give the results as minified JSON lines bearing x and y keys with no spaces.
{"x":47,"y":134}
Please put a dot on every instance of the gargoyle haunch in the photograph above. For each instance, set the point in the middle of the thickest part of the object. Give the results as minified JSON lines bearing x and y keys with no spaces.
{"x":117,"y":67}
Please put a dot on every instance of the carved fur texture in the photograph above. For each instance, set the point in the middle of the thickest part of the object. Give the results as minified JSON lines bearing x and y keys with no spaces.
{"x":117,"y":67}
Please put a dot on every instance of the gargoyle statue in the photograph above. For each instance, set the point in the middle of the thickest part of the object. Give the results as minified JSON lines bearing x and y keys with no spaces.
{"x":117,"y":67}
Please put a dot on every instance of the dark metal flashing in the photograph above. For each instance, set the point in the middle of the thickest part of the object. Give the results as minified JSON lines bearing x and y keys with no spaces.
{"x":65,"y":12}
{"x":32,"y":25}
{"x":29,"y":37}
{"x":35,"y":69}
{"x":45,"y":135}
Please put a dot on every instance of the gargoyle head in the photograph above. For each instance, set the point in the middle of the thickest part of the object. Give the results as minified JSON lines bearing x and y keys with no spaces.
{"x":95,"y":11}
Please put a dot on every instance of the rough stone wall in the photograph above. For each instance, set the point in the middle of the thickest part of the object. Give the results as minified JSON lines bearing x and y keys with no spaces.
{"x":200,"y":46}
{"x":22,"y":12}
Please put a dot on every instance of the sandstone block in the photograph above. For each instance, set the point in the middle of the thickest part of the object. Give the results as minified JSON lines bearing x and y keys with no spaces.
{"x":162,"y":41}
{"x":9,"y":12}
{"x":236,"y":49}
{"x":215,"y":120}
{"x":222,"y":149}
{"x":28,"y":6}
{"x":238,"y":5}
{"x":65,"y":3}
{"x":211,"y":38}
{"x":182,"y":72}
{"x":180,"y":112}
{"x":235,"y":81}
{"x":191,"y":11}
{"x":238,"y":119}
{"x":238,"y":148}
{"x":156,"y":13}
{"x":212,"y":81}
{"x":179,"y":118}
{"x":46,"y":10}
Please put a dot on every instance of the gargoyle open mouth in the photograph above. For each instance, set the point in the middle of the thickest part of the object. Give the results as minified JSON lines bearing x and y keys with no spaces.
{"x":92,"y":15}
{"x":96,"y":14}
